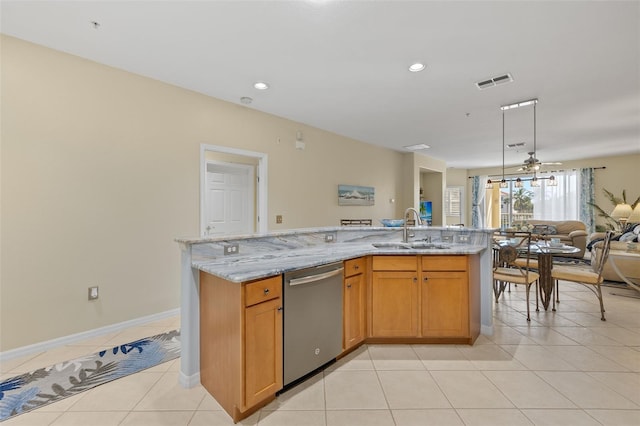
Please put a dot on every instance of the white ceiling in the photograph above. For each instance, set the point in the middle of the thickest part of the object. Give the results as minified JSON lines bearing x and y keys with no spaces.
{"x":342,"y":66}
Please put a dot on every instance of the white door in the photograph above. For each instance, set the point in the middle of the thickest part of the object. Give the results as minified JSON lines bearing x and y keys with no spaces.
{"x":230,"y":194}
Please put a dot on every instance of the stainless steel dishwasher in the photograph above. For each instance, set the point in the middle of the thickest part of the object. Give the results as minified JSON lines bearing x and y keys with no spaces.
{"x":312,"y":319}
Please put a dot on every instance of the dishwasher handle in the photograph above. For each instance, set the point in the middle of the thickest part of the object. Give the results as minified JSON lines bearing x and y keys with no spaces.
{"x":313,"y":278}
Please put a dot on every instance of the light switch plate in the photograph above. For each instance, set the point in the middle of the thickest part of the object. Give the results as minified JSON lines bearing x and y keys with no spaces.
{"x":93,"y":293}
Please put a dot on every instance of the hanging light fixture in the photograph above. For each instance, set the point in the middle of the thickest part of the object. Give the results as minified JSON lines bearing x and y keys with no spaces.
{"x":489,"y":184}
{"x":535,"y":182}
{"x":503,"y":182}
{"x":518,"y":183}
{"x":552,"y":181}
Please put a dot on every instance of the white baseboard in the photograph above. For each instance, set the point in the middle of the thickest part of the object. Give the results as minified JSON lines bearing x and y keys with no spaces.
{"x":189,"y":381}
{"x":487,"y":330}
{"x":96,"y":332}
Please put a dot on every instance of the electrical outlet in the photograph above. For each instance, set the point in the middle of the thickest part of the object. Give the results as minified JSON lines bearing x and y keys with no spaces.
{"x":231,"y":248}
{"x":463,"y":238}
{"x":330,"y":237}
{"x":93,"y":293}
{"x":279,"y":218}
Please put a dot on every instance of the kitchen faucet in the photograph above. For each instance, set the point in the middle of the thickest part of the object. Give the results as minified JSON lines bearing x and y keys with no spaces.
{"x":405,"y":231}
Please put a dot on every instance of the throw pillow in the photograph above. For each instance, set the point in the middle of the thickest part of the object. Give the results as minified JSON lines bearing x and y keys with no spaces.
{"x":544,"y":229}
{"x":628,"y":237}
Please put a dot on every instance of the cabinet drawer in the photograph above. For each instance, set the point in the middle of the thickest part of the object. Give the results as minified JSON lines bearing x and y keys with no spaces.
{"x":263,"y":290}
{"x":444,"y":263}
{"x":354,"y":266}
{"x":395,"y":263}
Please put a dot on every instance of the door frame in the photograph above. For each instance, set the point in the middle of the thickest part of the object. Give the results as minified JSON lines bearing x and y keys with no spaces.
{"x":261,"y":185}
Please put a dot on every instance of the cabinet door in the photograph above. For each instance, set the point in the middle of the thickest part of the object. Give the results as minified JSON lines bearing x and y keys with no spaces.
{"x":263,"y":351}
{"x":445,"y":304}
{"x":354,"y":310}
{"x":394,"y":304}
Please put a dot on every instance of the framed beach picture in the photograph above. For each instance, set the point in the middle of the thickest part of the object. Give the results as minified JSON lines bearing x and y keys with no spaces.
{"x":352,"y":195}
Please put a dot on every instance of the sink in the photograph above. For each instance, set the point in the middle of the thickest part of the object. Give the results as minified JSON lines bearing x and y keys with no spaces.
{"x":420,"y":245}
{"x":392,"y":245}
{"x":426,"y":245}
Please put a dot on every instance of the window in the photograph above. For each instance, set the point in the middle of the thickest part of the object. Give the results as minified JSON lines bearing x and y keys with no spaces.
{"x":545,"y":202}
{"x":453,"y":197}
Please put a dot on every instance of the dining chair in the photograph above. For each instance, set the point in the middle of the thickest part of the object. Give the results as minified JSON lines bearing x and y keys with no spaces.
{"x":590,"y":278}
{"x":506,"y":269}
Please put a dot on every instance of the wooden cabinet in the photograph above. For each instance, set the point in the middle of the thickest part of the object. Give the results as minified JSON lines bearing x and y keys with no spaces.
{"x":394,"y":296}
{"x":445,"y":304}
{"x":354,"y":302}
{"x":263,"y":341}
{"x":445,"y":296}
{"x":241,"y":342}
{"x":426,"y":297}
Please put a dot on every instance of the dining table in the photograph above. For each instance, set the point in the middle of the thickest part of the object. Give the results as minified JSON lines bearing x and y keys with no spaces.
{"x":544,"y":251}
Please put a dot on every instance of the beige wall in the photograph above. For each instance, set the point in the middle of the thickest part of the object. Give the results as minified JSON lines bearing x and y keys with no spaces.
{"x":621,"y":172}
{"x":99,"y":173}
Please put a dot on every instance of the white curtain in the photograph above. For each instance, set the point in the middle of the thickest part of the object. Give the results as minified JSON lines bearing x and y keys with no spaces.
{"x":557,"y":202}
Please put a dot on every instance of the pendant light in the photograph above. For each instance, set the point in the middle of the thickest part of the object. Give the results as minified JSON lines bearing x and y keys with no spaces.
{"x":534,"y":181}
{"x":503,"y":182}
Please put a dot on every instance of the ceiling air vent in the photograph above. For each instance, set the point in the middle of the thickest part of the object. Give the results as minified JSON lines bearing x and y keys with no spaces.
{"x":501,"y":79}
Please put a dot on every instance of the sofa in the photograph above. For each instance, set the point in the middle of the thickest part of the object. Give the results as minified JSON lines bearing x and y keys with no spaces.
{"x":570,"y":232}
{"x":629,"y":266}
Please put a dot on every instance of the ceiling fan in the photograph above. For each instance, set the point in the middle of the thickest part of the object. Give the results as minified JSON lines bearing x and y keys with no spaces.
{"x":532,"y":163}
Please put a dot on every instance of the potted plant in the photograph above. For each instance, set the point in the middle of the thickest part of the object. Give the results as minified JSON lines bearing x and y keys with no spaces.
{"x":609,"y":222}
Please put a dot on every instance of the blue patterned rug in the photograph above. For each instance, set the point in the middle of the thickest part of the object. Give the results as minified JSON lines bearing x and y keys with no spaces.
{"x":38,"y":388}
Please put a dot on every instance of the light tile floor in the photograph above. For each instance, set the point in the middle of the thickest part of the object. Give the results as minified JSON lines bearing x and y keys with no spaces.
{"x":565,"y":368}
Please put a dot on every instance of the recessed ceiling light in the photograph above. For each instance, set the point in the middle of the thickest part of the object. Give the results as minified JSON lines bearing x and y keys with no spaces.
{"x":417,"y":147}
{"x":417,"y":67}
{"x":261,"y":85}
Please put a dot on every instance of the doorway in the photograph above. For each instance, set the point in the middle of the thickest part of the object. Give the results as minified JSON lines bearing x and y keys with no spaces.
{"x":229,"y":198}
{"x":233,"y":194}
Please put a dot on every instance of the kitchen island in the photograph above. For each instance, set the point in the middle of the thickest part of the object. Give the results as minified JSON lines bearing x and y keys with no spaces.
{"x":450,"y":259}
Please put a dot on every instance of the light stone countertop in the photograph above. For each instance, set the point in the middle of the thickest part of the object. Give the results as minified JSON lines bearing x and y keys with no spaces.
{"x":239,"y":268}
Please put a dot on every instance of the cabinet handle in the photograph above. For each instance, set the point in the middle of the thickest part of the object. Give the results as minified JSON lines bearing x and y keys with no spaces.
{"x":356,"y":267}
{"x":280,"y":309}
{"x":266,"y":291}
{"x":426,"y":278}
{"x":415,"y":279}
{"x":348,"y":285}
